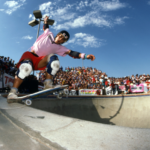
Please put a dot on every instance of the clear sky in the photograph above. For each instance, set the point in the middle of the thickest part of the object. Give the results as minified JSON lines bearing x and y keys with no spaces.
{"x":117,"y":32}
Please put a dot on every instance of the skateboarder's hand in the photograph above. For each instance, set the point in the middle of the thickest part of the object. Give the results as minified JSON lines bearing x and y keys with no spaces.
{"x":46,"y":19}
{"x":92,"y":57}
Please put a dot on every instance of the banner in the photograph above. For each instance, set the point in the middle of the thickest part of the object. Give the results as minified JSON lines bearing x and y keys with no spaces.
{"x":8,"y":80}
{"x":108,"y":90}
{"x":137,"y":88}
{"x":122,"y":88}
{"x":89,"y":92}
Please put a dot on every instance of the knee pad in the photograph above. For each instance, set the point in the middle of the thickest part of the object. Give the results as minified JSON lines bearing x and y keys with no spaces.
{"x":53,"y":65}
{"x":24,"y":69}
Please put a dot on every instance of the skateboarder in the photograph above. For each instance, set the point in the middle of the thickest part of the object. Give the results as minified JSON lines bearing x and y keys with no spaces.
{"x":43,"y":56}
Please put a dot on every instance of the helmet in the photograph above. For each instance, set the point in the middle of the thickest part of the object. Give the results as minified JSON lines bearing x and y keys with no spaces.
{"x":65,"y":34}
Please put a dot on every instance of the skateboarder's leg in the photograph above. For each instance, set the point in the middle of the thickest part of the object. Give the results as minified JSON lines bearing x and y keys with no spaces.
{"x":48,"y":83}
{"x":23,"y":71}
{"x":51,"y":70}
{"x":52,"y":66}
{"x":17,"y":82}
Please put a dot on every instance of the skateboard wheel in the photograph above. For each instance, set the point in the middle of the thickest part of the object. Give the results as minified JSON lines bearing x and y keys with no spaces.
{"x":59,"y":97}
{"x":28,"y":102}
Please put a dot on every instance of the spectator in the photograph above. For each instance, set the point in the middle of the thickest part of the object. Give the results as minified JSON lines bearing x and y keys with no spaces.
{"x":128,"y":81}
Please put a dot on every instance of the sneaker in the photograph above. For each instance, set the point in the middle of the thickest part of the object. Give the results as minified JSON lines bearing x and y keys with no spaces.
{"x":48,"y":84}
{"x":12,"y":96}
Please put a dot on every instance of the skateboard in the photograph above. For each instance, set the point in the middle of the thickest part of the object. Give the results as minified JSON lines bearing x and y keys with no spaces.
{"x":27,"y":99}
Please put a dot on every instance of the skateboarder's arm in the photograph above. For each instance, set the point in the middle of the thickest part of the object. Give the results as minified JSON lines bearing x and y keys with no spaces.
{"x":45,"y":26}
{"x":78,"y":55}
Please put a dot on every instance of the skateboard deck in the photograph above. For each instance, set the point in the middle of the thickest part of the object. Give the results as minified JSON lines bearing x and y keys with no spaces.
{"x":27,"y":99}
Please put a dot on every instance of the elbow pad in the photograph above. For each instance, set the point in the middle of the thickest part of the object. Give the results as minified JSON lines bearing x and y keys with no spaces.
{"x":74,"y":54}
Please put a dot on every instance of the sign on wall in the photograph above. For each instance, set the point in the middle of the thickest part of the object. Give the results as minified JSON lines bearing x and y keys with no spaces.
{"x":8,"y":80}
{"x":137,"y":88}
{"x":88,"y":92}
{"x":108,"y":90}
{"x":122,"y":88}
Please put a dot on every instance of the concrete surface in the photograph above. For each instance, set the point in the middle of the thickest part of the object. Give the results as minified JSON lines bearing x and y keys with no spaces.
{"x":12,"y":138}
{"x":127,"y":111}
{"x":68,"y":133}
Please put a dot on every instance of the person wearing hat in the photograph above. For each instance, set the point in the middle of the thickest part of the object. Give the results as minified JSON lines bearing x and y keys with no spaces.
{"x":43,"y":56}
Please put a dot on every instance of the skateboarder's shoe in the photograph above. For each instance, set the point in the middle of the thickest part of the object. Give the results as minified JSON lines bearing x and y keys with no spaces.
{"x":12,"y":96}
{"x":48,"y":84}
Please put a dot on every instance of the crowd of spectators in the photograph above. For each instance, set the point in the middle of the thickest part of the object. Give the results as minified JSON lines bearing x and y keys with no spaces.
{"x":91,"y":78}
{"x":80,"y":77}
{"x":7,"y":65}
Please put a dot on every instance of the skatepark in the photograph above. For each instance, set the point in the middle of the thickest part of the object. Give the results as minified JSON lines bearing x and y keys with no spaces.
{"x":78,"y":122}
{"x":100,"y":50}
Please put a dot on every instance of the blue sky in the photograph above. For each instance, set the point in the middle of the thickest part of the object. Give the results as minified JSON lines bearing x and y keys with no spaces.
{"x":117,"y":32}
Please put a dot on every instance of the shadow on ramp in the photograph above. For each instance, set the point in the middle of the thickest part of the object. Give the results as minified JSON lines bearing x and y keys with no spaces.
{"x":80,"y":108}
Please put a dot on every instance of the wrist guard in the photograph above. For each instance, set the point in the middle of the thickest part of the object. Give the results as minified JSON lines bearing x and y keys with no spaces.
{"x":45,"y":26}
{"x":85,"y":56}
{"x":74,"y":54}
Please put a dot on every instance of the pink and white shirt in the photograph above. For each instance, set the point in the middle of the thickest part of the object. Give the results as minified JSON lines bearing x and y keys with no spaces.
{"x":45,"y":45}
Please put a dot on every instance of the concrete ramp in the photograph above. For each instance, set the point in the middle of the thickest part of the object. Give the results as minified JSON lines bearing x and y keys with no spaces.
{"x":128,"y":111}
{"x":74,"y":123}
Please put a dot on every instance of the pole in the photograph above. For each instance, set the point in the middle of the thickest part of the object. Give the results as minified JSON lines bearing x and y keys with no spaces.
{"x":38,"y":35}
{"x":38,"y":29}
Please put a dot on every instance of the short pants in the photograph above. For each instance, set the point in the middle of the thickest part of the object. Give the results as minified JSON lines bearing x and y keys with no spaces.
{"x":35,"y":60}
